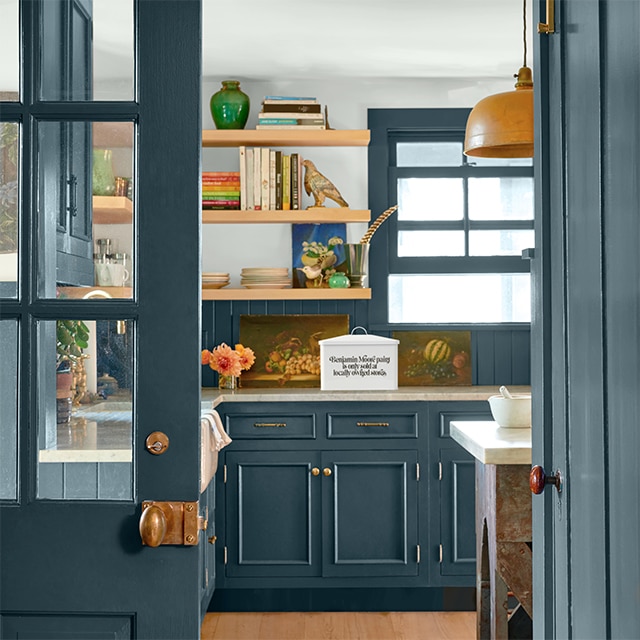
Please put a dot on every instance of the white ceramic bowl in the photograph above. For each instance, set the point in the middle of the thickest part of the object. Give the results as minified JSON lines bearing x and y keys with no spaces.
{"x":511,"y":413}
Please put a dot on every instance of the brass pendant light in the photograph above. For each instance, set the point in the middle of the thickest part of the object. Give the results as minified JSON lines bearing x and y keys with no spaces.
{"x":501,"y":126}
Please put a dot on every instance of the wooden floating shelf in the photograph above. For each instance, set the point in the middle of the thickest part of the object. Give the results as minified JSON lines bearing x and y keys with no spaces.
{"x":112,"y":210}
{"x":302,"y":216}
{"x":287,"y":294}
{"x":286,"y":137}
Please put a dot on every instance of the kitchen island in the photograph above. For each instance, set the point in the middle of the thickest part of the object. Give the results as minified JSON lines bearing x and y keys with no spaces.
{"x":503,"y":526}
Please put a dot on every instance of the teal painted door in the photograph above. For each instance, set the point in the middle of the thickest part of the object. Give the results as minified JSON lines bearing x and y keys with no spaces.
{"x":586,"y":334}
{"x":72,"y":563}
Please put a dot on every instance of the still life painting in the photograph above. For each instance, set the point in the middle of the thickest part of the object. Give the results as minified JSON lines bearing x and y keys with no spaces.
{"x":318,"y":252}
{"x":434,"y":358}
{"x":286,"y":347}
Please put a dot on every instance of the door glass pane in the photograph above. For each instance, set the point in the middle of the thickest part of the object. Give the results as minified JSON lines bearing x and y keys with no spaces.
{"x":85,"y":415}
{"x":429,"y":154}
{"x":500,"y":242}
{"x":501,"y":198}
{"x":85,"y":209}
{"x":430,"y":243}
{"x":461,"y":298}
{"x":87,"y":50}
{"x":9,"y":51}
{"x":9,"y":209}
{"x":8,"y":409}
{"x":430,"y":199}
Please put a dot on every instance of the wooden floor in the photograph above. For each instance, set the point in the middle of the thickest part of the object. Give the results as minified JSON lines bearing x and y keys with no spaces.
{"x":439,"y":625}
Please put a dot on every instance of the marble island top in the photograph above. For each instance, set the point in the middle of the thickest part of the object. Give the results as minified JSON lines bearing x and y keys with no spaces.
{"x":214,"y":397}
{"x":491,"y":444}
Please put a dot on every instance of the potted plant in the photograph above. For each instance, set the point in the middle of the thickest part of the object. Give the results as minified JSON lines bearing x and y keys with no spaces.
{"x":72,"y":337}
{"x":8,"y":202}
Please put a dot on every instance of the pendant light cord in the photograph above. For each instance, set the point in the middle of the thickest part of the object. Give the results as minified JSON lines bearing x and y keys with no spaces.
{"x":524,"y":35}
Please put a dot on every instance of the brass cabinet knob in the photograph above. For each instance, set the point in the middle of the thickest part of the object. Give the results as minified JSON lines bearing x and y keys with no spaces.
{"x":326,"y":471}
{"x":153,"y":526}
{"x":212,"y":539}
{"x":315,"y":471}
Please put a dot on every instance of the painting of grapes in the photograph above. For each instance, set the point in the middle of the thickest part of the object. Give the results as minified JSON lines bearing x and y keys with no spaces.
{"x":433,"y":358}
{"x":287,"y":347}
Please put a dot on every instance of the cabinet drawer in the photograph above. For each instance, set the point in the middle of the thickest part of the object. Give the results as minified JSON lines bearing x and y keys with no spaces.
{"x":378,"y":425}
{"x":273,"y":427}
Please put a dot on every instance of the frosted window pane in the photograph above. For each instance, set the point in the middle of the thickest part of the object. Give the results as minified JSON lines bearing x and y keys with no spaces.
{"x":430,"y":243}
{"x":459,"y":298}
{"x":501,"y":199}
{"x":430,"y":199}
{"x":429,"y":154}
{"x":500,"y":242}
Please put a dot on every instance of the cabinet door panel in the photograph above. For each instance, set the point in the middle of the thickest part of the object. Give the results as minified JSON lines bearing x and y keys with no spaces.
{"x":458,"y":503}
{"x":370,"y":507}
{"x":271,"y":498}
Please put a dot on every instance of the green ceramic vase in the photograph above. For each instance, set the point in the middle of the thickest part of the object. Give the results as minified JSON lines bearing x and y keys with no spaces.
{"x":230,"y":106}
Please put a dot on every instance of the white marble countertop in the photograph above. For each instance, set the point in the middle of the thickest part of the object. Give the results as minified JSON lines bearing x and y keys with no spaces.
{"x":492,"y":444}
{"x":211,"y":398}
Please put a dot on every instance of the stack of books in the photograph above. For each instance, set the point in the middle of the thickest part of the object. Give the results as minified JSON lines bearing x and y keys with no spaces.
{"x":220,"y":189}
{"x":291,"y":112}
{"x":270,"y":179}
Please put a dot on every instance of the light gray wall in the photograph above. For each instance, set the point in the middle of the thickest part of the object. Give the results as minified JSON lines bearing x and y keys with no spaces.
{"x":231,"y":247}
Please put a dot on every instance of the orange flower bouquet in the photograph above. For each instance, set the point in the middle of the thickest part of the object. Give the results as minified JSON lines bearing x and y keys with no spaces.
{"x":229,"y":363}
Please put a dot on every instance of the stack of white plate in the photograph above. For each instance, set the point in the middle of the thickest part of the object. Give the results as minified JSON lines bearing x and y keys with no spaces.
{"x":265,"y":278}
{"x":214,"y":280}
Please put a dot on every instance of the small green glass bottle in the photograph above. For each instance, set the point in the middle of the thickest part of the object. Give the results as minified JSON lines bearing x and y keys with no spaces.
{"x":230,"y":106}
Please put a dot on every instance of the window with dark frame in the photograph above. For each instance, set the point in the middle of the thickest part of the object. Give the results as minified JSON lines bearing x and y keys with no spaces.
{"x":454,"y":249}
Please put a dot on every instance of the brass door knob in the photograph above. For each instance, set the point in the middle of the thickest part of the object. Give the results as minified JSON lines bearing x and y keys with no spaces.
{"x":315,"y":471}
{"x":153,"y":526}
{"x":326,"y":471}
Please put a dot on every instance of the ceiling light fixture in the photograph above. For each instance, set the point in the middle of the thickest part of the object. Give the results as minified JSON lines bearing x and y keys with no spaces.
{"x":501,"y":126}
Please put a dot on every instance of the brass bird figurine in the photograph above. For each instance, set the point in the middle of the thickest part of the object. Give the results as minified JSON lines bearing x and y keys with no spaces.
{"x":320,"y":186}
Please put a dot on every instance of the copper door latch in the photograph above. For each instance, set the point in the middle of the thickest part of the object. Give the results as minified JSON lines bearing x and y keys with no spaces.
{"x":170,"y":523}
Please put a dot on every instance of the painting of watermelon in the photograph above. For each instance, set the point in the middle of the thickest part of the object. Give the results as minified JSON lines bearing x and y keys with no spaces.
{"x":433,"y":358}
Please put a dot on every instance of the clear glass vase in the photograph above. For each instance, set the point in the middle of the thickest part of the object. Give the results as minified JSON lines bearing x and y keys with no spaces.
{"x":227,"y":382}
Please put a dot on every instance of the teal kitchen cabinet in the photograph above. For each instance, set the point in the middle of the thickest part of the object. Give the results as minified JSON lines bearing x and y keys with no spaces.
{"x":314,"y":491}
{"x":454,"y":494}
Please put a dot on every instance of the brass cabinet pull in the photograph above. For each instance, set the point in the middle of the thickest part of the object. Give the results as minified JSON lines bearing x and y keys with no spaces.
{"x":326,"y":471}
{"x":315,"y":471}
{"x":372,"y":424}
{"x":269,"y":424}
{"x":549,"y":26}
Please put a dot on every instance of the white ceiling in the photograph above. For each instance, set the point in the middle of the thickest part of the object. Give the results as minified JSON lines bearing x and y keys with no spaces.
{"x":293,"y":39}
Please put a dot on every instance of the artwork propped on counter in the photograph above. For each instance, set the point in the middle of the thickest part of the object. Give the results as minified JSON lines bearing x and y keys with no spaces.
{"x":440,"y":358}
{"x":286,"y":347}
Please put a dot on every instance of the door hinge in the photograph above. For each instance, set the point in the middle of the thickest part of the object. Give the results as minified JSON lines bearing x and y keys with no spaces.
{"x":439,"y":470}
{"x":417,"y":471}
{"x":417,"y":554}
{"x":225,"y":555}
{"x":224,"y":474}
{"x":440,"y":555}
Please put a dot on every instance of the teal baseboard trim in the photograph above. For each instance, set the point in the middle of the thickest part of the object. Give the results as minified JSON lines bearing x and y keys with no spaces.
{"x":377,"y":599}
